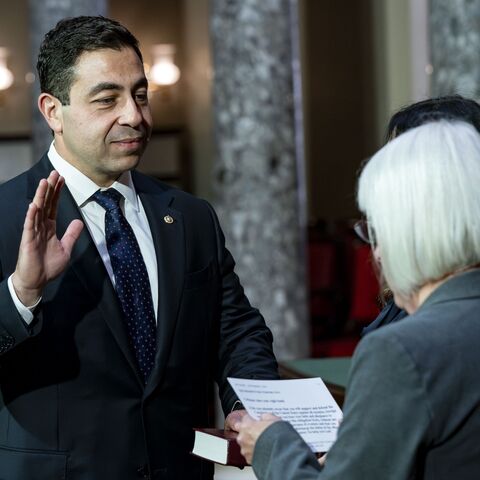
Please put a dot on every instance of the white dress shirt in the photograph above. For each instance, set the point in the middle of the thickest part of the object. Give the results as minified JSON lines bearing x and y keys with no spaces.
{"x":82,"y":189}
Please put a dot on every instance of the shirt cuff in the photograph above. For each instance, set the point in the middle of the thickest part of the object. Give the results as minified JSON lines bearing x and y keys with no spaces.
{"x":25,"y":312}
{"x":238,"y":405}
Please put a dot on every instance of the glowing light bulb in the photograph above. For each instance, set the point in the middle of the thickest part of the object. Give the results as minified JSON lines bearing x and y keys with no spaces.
{"x":164,"y":71}
{"x":6,"y":76}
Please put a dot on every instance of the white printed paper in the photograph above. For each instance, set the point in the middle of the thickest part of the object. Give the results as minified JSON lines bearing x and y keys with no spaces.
{"x":306,"y":403}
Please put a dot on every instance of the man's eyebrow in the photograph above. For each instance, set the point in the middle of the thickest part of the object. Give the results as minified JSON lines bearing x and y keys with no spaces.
{"x":100,"y":87}
{"x":141,"y":83}
{"x":103,"y":86}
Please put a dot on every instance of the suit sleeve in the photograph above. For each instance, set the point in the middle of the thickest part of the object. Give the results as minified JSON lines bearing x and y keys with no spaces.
{"x":245,"y":342}
{"x":13,"y":329}
{"x":386,"y":422}
{"x":280,"y":452}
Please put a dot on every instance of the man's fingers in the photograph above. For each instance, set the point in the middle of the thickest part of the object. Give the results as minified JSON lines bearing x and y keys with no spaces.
{"x":40,"y":194}
{"x":47,"y":202}
{"x":39,"y":200}
{"x":53,"y":178}
{"x":71,"y":235}
{"x":29,"y":224}
{"x":52,"y":182}
{"x":52,"y":214}
{"x":44,"y":193}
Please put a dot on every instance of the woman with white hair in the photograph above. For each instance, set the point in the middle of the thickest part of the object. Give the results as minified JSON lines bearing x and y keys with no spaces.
{"x":412,"y":408}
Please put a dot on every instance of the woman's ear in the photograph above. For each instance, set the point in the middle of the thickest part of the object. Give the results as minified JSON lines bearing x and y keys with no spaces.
{"x":51,"y":109}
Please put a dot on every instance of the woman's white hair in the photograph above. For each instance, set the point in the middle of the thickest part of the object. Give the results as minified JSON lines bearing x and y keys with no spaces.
{"x":421,"y":196}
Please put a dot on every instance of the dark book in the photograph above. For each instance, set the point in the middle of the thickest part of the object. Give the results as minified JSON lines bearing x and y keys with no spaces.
{"x":219,"y":446}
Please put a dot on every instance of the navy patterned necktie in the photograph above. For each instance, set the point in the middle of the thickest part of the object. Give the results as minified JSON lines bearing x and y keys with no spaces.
{"x":131,"y":280}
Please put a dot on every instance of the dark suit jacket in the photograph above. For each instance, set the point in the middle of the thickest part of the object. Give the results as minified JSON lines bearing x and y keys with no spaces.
{"x":412,"y":405}
{"x":72,"y":405}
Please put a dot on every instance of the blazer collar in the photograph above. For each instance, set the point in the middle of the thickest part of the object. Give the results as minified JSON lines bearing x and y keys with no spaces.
{"x":463,"y":285}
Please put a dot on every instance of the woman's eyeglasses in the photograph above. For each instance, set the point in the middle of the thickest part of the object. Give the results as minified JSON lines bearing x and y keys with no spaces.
{"x":363,"y":231}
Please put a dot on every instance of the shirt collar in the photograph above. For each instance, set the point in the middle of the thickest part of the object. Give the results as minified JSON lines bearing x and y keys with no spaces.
{"x":82,"y":188}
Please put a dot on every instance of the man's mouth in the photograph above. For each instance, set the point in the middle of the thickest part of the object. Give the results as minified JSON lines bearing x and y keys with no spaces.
{"x":129,"y":140}
{"x":130,"y":143}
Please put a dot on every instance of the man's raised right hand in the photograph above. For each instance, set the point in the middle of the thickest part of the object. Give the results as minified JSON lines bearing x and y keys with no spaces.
{"x":42,"y":256}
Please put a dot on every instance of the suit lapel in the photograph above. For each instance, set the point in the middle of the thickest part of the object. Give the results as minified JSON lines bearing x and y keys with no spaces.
{"x":88,"y":265}
{"x":169,"y":243}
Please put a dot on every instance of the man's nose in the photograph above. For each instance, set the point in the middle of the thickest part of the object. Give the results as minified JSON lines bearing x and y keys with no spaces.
{"x":131,"y":113}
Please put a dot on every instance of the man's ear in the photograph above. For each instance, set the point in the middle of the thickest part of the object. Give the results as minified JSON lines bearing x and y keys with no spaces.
{"x":51,"y":109}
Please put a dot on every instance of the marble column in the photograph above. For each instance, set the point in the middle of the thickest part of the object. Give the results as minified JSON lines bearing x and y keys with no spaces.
{"x":258,"y":174}
{"x":44,"y":14}
{"x":455,"y":46}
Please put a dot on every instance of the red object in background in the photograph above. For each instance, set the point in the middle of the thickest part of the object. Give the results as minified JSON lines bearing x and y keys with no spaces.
{"x":365,"y":287}
{"x":322,"y":277}
{"x":343,"y":292}
{"x":322,"y":265}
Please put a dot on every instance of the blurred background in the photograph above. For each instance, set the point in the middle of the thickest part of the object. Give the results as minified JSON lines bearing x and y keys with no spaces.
{"x":267,"y":108}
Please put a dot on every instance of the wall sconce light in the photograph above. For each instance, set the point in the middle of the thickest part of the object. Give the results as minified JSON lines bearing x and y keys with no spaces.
{"x":164,"y":71}
{"x":6,"y":76}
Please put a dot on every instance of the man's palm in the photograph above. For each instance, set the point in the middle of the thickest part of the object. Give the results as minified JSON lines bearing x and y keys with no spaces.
{"x":42,"y":256}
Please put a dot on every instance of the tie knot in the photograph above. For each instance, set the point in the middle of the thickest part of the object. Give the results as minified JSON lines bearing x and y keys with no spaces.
{"x":108,"y":199}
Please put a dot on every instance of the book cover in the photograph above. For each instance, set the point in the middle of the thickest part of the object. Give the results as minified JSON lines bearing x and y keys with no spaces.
{"x":219,"y":446}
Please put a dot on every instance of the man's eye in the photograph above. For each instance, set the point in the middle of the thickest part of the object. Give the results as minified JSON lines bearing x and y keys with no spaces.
{"x":141,"y":98}
{"x":106,"y":100}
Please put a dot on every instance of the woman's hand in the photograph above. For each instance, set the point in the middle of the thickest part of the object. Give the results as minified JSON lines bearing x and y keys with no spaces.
{"x":249,"y":431}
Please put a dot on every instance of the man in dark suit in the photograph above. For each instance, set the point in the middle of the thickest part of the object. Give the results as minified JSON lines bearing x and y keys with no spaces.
{"x":119,"y":302}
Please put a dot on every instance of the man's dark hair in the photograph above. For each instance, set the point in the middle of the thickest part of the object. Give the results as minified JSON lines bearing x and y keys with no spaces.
{"x":450,"y":107}
{"x":63,"y":45}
